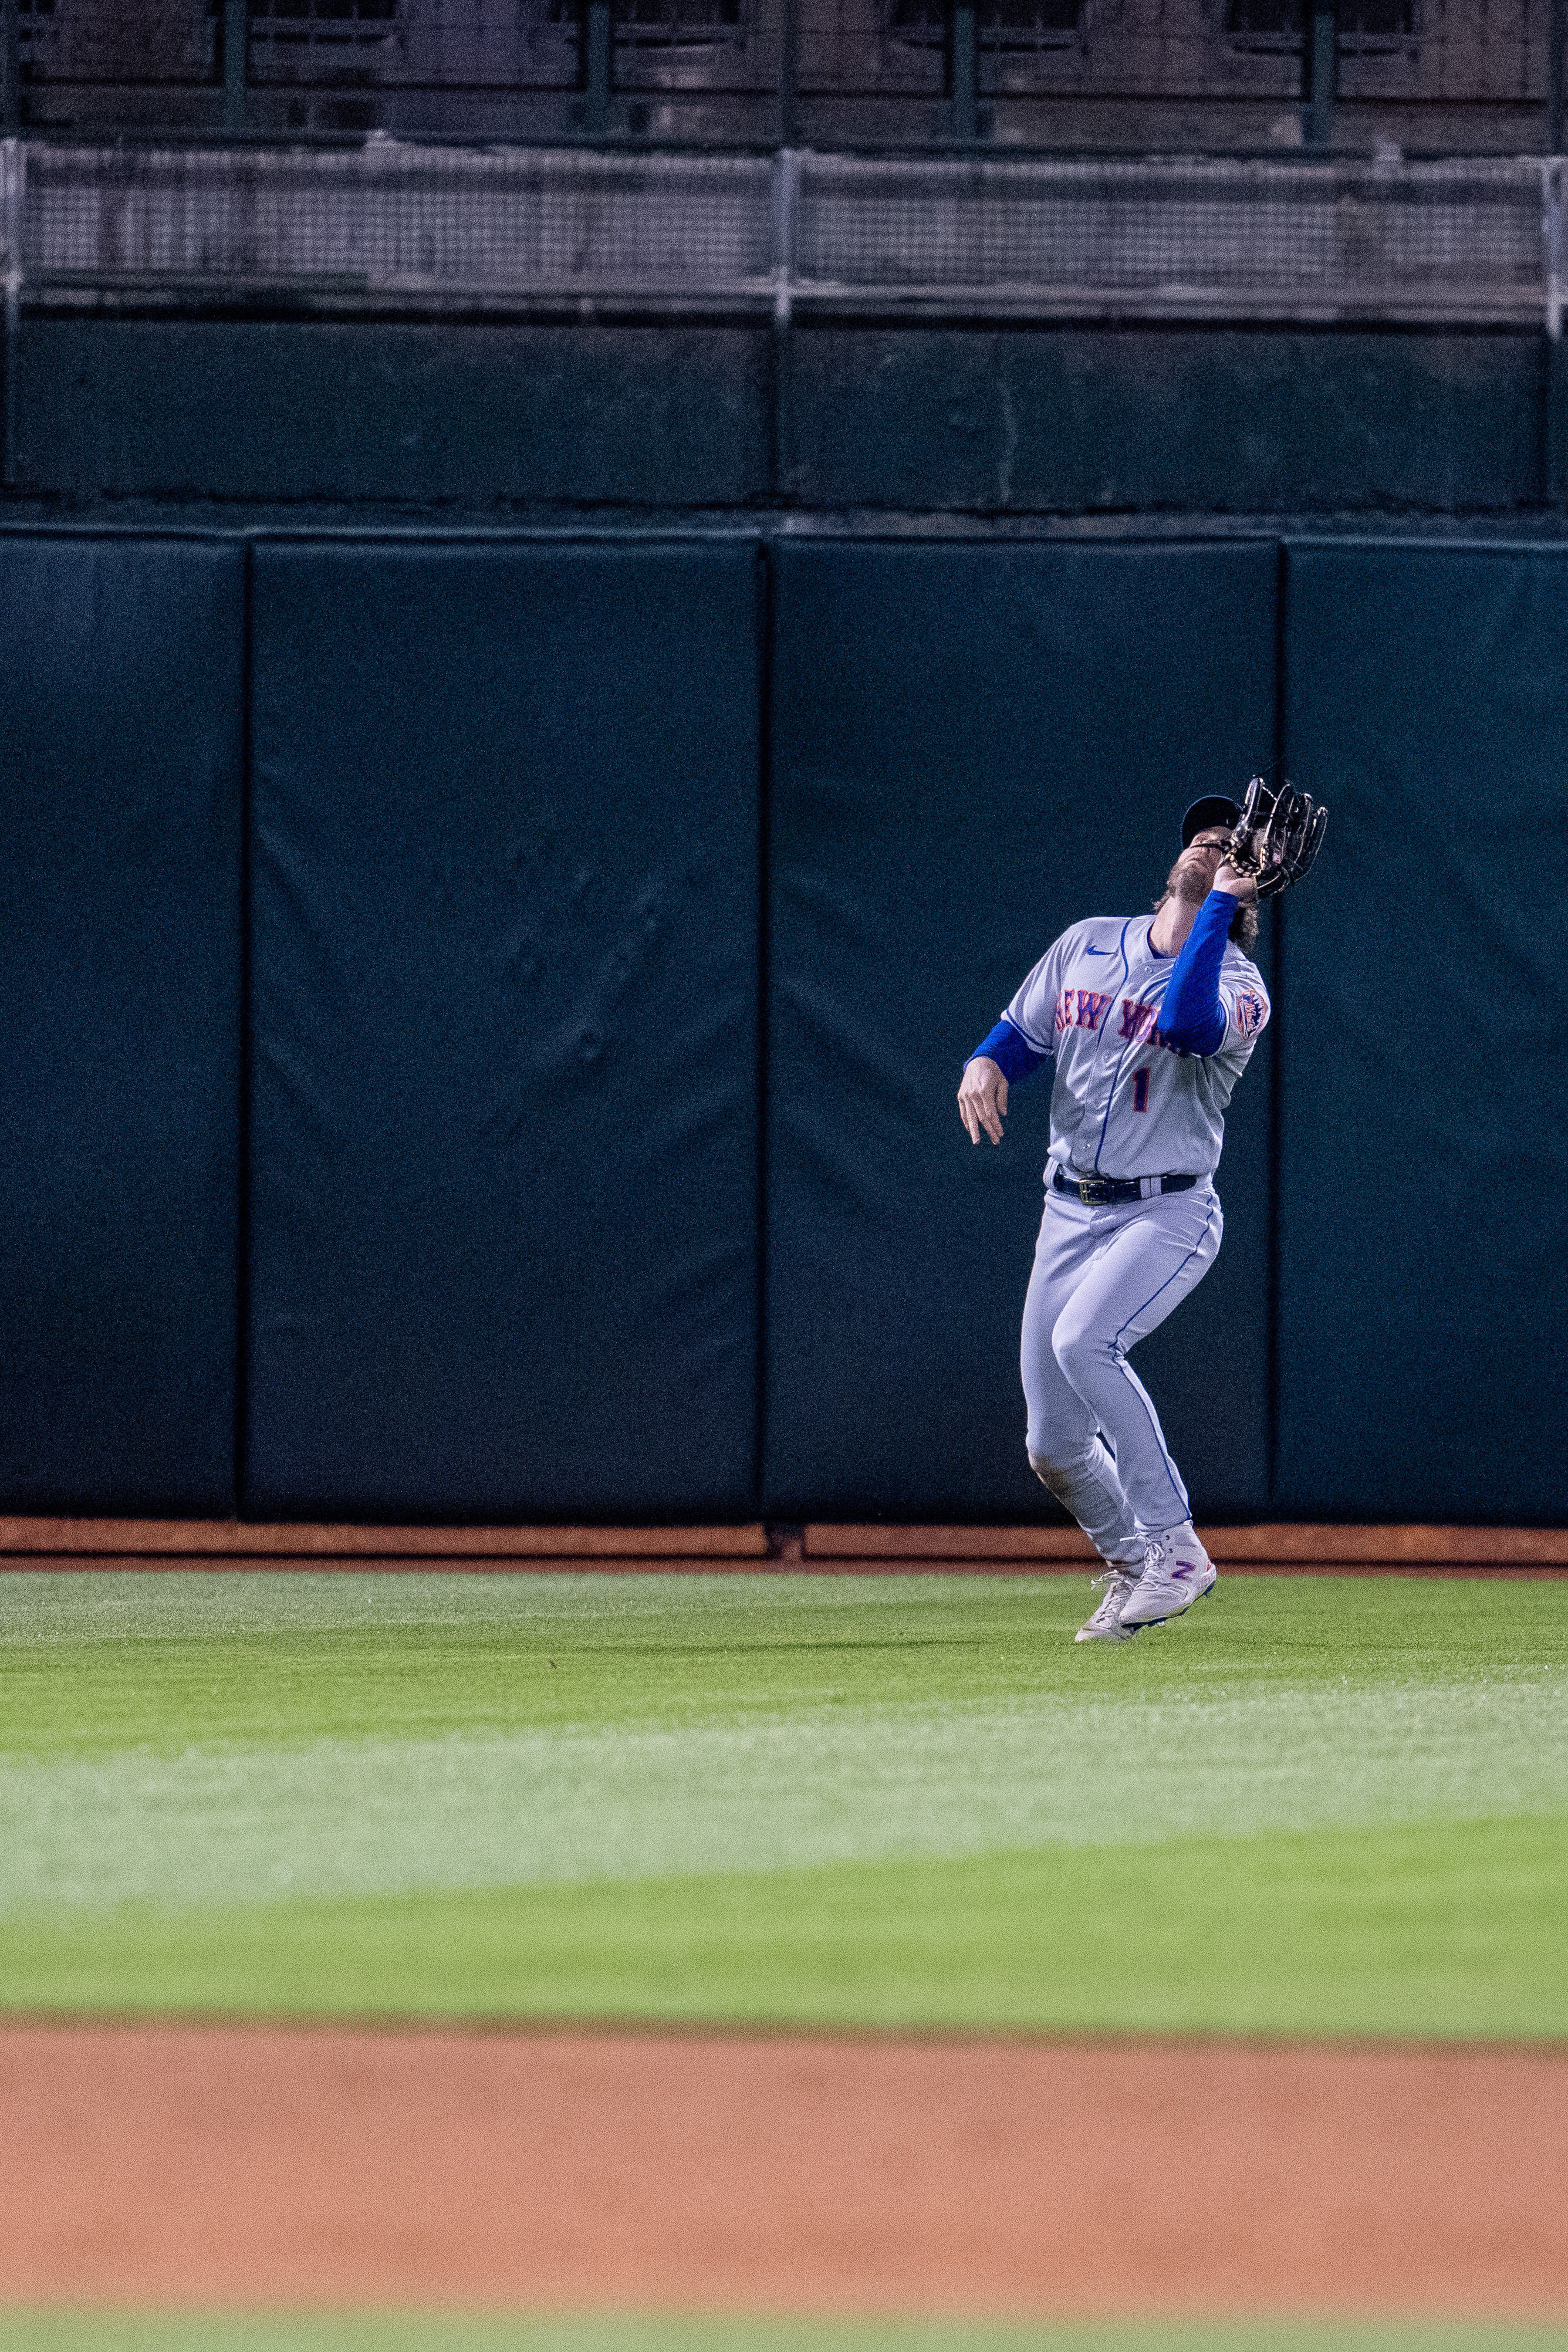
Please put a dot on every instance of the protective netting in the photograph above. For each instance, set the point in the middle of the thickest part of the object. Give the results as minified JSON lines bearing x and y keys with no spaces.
{"x":1175,"y":235}
{"x":391,"y":217}
{"x":1445,"y":231}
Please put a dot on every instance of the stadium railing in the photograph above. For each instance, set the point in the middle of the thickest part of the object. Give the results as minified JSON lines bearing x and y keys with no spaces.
{"x":433,"y":226}
{"x":1195,"y":76}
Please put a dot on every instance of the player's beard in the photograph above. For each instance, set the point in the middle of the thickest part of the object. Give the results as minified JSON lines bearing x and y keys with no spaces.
{"x":1189,"y":880}
{"x":1190,"y":883}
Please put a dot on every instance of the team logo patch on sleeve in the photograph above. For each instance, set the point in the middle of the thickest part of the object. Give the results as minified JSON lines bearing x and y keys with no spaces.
{"x":1250,"y":1012}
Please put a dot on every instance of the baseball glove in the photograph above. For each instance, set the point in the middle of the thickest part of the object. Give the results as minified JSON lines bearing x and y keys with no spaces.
{"x":1277,"y":836}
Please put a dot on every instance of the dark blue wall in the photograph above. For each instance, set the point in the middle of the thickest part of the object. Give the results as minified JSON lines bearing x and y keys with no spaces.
{"x":122,"y":665}
{"x":972,"y":748}
{"x":257,"y":409}
{"x":504,"y":1019}
{"x":613,"y":905}
{"x":1423,"y":1207}
{"x":1133,"y":419}
{"x":831,"y":417}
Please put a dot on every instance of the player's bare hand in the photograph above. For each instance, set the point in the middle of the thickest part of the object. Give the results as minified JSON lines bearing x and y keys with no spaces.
{"x":1235,"y":885}
{"x":982,"y":1099}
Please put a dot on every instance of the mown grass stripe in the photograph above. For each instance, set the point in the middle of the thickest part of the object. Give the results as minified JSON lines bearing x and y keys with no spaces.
{"x":1316,"y":1806}
{"x":855,"y":1784}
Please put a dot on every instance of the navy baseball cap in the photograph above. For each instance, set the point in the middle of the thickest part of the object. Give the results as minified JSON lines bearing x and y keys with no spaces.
{"x":1216,"y":810}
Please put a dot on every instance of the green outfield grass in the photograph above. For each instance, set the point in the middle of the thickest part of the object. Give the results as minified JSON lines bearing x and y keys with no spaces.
{"x":163,"y":2332}
{"x":1319,"y":1805}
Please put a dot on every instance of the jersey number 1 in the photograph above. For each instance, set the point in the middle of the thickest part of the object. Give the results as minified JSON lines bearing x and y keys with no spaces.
{"x":1140,"y":1089}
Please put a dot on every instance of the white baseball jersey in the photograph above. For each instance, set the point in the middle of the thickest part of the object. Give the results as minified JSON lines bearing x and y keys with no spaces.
{"x":1125,"y":1102}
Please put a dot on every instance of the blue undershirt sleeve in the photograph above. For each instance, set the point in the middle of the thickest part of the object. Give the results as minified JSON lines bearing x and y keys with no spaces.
{"x":1010,"y":1050}
{"x":1192,"y":1015}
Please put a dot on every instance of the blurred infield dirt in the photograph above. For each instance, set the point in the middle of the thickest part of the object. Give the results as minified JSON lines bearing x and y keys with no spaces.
{"x":252,"y":2164}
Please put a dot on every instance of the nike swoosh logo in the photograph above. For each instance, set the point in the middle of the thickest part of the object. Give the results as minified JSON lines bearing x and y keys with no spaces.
{"x":1096,"y":952}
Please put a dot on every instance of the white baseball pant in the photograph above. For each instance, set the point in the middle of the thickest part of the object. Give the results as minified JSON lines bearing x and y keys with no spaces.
{"x":1104,"y":1279}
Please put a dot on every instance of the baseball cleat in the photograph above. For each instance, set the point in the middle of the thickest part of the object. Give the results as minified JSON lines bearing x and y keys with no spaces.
{"x":1106,"y":1624}
{"x":1174,"y":1576}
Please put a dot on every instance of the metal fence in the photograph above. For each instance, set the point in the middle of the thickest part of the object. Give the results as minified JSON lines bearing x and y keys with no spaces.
{"x":975,"y":235}
{"x":1428,"y":76}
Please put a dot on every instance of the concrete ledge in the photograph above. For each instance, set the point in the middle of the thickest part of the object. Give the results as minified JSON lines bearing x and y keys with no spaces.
{"x":513,"y":228}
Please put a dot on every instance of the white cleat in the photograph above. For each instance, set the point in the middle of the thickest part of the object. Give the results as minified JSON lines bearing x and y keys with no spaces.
{"x":1175,"y":1574}
{"x":1106,"y":1624}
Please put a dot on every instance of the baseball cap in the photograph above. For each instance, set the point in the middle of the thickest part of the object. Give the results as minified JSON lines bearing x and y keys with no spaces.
{"x":1215,"y":810}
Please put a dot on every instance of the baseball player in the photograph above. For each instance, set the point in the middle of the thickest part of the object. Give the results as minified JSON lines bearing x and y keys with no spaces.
{"x":1151,"y":1022}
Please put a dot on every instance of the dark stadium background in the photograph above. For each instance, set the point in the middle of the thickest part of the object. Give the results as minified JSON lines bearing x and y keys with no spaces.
{"x":584,"y":592}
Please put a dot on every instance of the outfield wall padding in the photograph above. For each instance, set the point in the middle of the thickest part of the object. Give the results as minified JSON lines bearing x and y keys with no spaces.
{"x":973,"y":747}
{"x":500,"y":1160}
{"x":1424,"y":1170}
{"x":504,"y":1125}
{"x":121,"y":700}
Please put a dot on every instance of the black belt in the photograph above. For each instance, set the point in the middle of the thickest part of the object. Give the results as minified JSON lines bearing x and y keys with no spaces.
{"x":1102,"y":1191}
